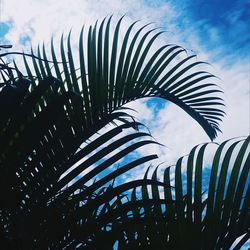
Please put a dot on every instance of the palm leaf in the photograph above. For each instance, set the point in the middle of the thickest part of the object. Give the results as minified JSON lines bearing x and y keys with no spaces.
{"x":117,"y":75}
{"x":196,"y":210}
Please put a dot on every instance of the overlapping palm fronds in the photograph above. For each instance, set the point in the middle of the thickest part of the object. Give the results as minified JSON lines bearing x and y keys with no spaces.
{"x":57,"y":192}
{"x":202,"y":211}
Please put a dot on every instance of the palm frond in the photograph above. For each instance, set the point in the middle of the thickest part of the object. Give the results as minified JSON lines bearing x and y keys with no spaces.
{"x":199,"y":216}
{"x":114,"y":71}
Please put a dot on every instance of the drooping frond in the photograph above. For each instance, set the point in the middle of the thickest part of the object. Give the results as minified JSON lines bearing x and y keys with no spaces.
{"x":112,"y":70}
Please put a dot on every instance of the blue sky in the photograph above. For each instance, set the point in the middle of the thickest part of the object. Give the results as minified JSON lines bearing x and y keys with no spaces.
{"x":220,"y":26}
{"x":218,"y":31}
{"x":228,"y":19}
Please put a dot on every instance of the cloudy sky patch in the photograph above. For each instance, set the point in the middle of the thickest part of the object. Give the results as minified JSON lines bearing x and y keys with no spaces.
{"x":216,"y":30}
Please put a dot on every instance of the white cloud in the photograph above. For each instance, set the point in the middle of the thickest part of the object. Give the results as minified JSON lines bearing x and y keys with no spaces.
{"x":41,"y":19}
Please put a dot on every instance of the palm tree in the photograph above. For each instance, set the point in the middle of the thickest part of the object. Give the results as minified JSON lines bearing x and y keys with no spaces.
{"x":57,"y":144}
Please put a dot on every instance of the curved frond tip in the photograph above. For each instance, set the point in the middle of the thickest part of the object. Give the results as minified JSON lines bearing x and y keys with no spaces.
{"x":115,"y":69}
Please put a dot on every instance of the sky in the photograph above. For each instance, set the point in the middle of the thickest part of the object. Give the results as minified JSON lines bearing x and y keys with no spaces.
{"x":218,"y":31}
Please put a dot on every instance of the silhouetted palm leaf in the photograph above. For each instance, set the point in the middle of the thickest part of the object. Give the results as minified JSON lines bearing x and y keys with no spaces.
{"x":113,"y":71}
{"x":200,"y":216}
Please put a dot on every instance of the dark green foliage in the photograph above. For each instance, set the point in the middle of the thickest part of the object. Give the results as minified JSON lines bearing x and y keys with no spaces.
{"x":197,"y":215}
{"x":58,"y":150}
